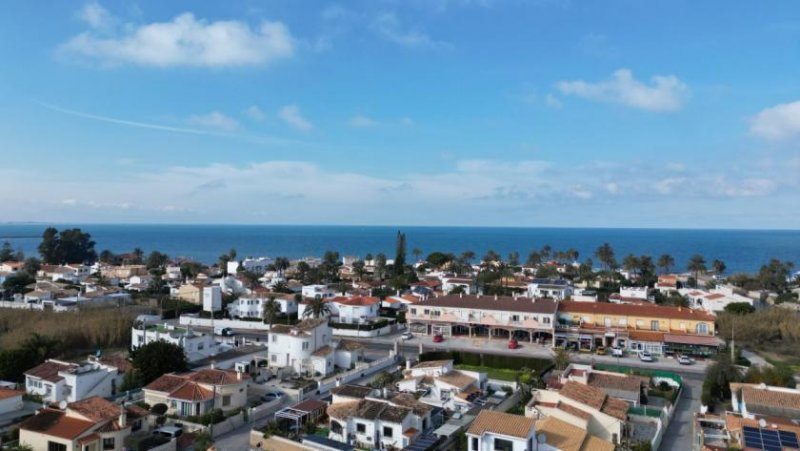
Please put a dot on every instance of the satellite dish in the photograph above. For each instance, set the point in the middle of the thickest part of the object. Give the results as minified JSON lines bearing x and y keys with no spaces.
{"x":762,"y":423}
{"x":541,"y":438}
{"x":62,"y":405}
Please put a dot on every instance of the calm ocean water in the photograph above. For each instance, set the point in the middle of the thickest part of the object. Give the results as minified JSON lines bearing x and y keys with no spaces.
{"x":741,"y":250}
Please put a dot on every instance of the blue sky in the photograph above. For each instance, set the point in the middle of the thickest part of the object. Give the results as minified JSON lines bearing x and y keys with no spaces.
{"x":429,"y":112}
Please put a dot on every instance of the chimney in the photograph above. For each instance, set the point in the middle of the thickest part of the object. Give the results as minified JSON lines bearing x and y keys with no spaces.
{"x":123,"y":416}
{"x":213,"y":365}
{"x":408,"y":364}
{"x":238,"y":375}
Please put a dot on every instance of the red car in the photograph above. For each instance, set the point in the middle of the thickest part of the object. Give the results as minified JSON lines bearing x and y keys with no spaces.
{"x":512,"y":343}
{"x":438,"y":338}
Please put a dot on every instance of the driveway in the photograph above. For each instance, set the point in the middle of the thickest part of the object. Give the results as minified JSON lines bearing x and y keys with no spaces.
{"x":679,"y":433}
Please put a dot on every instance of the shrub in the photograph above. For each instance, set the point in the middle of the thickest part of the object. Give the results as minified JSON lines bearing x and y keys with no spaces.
{"x":159,"y":409}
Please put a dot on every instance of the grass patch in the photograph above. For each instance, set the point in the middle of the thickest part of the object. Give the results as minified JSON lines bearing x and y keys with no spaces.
{"x":502,"y":374}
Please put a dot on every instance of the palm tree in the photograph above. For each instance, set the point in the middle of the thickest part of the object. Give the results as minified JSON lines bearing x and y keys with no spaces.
{"x":316,"y":308}
{"x":697,"y":264}
{"x":631,"y":264}
{"x":416,"y":252}
{"x":271,"y":310}
{"x":380,"y":266}
{"x":359,"y":269}
{"x":534,"y":259}
{"x":605,"y":254}
{"x":281,"y":264}
{"x":546,"y":252}
{"x":665,"y":262}
{"x":719,"y":266}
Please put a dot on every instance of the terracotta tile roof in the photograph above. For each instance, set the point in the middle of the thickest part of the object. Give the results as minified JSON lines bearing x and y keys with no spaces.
{"x":408,"y":400}
{"x":502,"y":423}
{"x":352,"y":391}
{"x":88,"y":439}
{"x":647,"y":311}
{"x":117,"y":361}
{"x":574,"y":411}
{"x":216,"y":376}
{"x":646,"y":335}
{"x":95,"y":409}
{"x":166,"y":383}
{"x":369,"y":409}
{"x":310,"y":405}
{"x":356,"y":300}
{"x":624,"y":382}
{"x":465,"y":394}
{"x":501,"y":303}
{"x":410,"y":432}
{"x":702,"y":340}
{"x":755,"y":396}
{"x":343,"y":410}
{"x":593,"y":443}
{"x":6,"y":393}
{"x":596,"y":399}
{"x":57,"y":424}
{"x":560,"y":434}
{"x":192,"y":391}
{"x":457,"y":379}
{"x":49,"y":370}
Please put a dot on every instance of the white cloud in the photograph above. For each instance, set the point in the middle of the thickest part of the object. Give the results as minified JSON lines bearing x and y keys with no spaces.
{"x":255,"y":113}
{"x":665,"y":93}
{"x":777,"y":123}
{"x":96,"y":16}
{"x":552,"y":101}
{"x":362,"y":122}
{"x":215,"y":120}
{"x":389,"y":27}
{"x":184,"y":41}
{"x":291,"y":115}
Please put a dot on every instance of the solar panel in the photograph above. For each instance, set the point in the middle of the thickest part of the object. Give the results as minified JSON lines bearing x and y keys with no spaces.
{"x":769,"y":440}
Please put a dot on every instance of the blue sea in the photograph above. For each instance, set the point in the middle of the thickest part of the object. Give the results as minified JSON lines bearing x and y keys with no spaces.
{"x":741,"y":250}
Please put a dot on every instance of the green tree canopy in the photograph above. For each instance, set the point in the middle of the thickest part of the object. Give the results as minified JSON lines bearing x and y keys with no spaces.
{"x":158,"y":358}
{"x":67,"y":246}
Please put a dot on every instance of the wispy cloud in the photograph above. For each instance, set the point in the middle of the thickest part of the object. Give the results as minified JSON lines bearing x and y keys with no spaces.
{"x":388,"y":26}
{"x":126,"y":122}
{"x":255,"y":113}
{"x":665,"y":93}
{"x":360,"y":121}
{"x":215,"y":120}
{"x":290,"y":114}
{"x":183,"y":41}
{"x":777,"y":123}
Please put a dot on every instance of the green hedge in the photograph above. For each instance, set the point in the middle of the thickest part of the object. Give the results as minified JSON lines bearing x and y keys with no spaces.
{"x":497,"y":361}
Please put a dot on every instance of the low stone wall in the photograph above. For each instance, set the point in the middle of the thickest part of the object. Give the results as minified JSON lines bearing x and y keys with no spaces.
{"x":386,"y":330}
{"x":325,"y":385}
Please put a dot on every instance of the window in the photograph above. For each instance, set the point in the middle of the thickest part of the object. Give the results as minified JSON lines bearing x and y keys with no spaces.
{"x":474,"y":446}
{"x":426,"y":312}
{"x":614,"y":438}
{"x":413,"y":311}
{"x":361,"y":428}
{"x":683,"y":326}
{"x":546,"y":320}
{"x":702,"y":328}
{"x":305,"y":346}
{"x":226,"y":400}
{"x":515,"y":318}
{"x":53,"y":446}
{"x":607,"y":322}
{"x":623,"y":322}
{"x":274,"y":338}
{"x":654,"y":324}
{"x":387,"y":431}
{"x":273,"y":358}
{"x":503,"y":445}
{"x":639,"y":323}
{"x":108,"y":443}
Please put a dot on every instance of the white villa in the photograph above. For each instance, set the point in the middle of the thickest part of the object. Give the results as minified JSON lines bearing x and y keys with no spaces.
{"x":465,"y":283}
{"x":558,"y":289}
{"x":447,"y":388}
{"x":713,"y":301}
{"x":56,"y":380}
{"x":196,"y":345}
{"x":253,"y":307}
{"x":308,"y":348}
{"x":199,"y":392}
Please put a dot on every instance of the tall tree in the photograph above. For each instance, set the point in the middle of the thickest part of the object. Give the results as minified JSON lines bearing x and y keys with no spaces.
{"x":697,"y":264}
{"x":48,"y":247}
{"x":631,"y":264}
{"x":138,"y":256}
{"x":156,"y":260}
{"x":400,"y":254}
{"x":316,"y":308}
{"x":281,"y":264}
{"x":513,"y":259}
{"x":157,"y":358}
{"x":534,"y":259}
{"x":359,"y":269}
{"x":719,"y":267}
{"x":271,"y":310}
{"x":775,"y":275}
{"x":666,"y":262}
{"x":67,"y":246}
{"x":380,"y":266}
{"x":6,"y":252}
{"x":546,"y":252}
{"x":605,"y":254}
{"x":467,"y":257}
{"x":416,"y":252}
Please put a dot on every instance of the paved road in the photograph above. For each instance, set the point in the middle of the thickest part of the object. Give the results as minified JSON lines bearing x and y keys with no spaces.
{"x":679,"y":433}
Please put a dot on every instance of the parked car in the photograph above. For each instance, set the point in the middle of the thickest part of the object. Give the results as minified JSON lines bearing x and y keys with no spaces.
{"x":269,"y":397}
{"x":407,"y":335}
{"x":617,"y":352}
{"x":685,"y":360}
{"x":223,"y":331}
{"x":513,"y":344}
{"x":601,"y":350}
{"x":169,"y":431}
{"x":438,"y":338}
{"x":645,"y":356}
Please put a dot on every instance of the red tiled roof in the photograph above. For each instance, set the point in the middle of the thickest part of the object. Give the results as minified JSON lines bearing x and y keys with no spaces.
{"x":166,"y":383}
{"x":646,"y":335}
{"x":356,"y":300}
{"x":310,"y":405}
{"x":95,"y":409}
{"x":192,"y":391}
{"x":49,"y":370}
{"x":57,"y":424}
{"x":702,"y":340}
{"x":648,"y":311}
